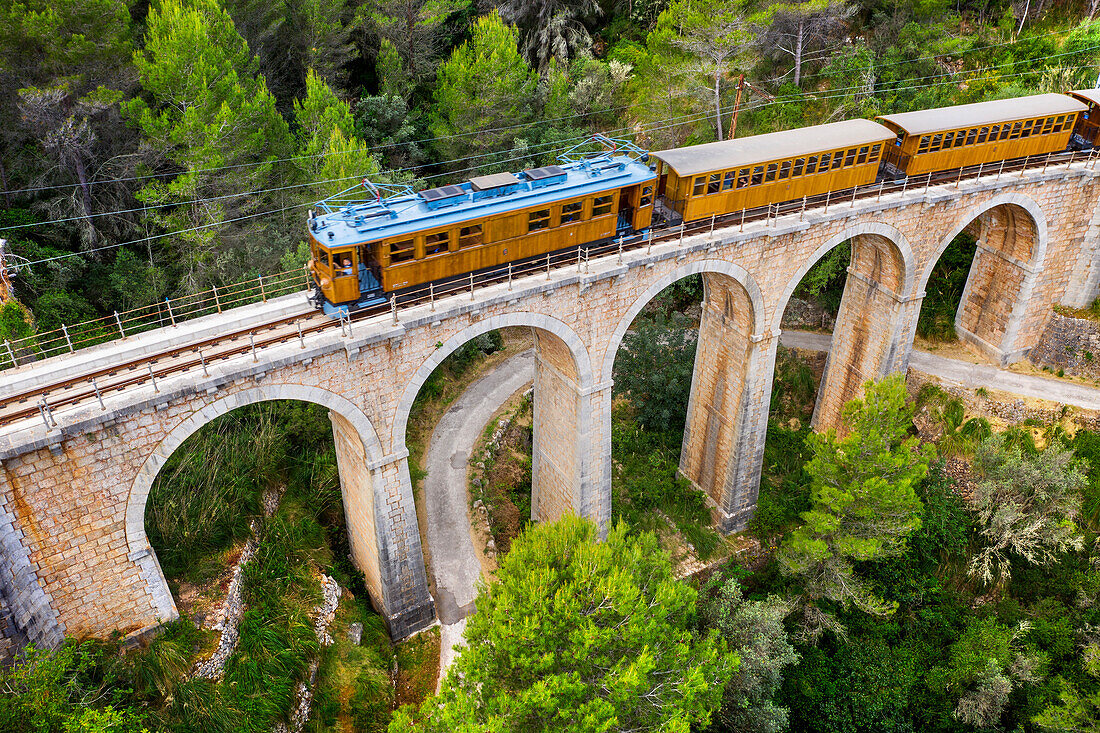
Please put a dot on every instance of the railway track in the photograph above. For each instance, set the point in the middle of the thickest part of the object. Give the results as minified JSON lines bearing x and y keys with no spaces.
{"x":90,"y":387}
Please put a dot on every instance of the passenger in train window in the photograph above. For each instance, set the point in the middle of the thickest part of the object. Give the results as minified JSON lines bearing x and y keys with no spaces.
{"x":345,"y":266}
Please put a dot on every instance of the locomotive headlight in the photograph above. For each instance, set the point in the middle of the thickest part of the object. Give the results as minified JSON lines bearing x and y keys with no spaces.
{"x":325,"y":282}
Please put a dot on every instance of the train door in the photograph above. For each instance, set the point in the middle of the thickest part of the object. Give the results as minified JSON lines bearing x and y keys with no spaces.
{"x":370,"y":271}
{"x":345,"y":275}
{"x":628,"y":201}
{"x":643,"y":214}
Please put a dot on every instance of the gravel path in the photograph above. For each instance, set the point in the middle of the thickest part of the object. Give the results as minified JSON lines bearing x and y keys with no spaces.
{"x":972,"y":376}
{"x":455,"y":565}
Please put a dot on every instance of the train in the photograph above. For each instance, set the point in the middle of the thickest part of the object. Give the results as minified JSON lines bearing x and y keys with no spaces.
{"x":367,"y":251}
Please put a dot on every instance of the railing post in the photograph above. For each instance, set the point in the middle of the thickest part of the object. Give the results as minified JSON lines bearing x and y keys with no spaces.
{"x":711,"y":224}
{"x":202,"y":359}
{"x":1046,"y":163}
{"x":252,"y":345}
{"x":263,"y":293}
{"x":1002,"y":168}
{"x":509,"y":281}
{"x":431,"y":296}
{"x":68,"y":340}
{"x":393,"y":311}
{"x":217,"y":302}
{"x":11,"y":354}
{"x":47,"y":414}
{"x":587,"y":259}
{"x":1023,"y":168}
{"x":548,"y":258}
{"x":980,"y":166}
{"x":904,"y":185}
{"x":471,"y":286}
{"x":301,"y":336}
{"x":802,"y":211}
{"x":649,"y":242}
{"x":855,"y":189}
{"x":959,"y":178}
{"x":827,"y":195}
{"x":742,"y":229}
{"x":98,"y":395}
{"x":578,"y":259}
{"x":683,"y":226}
{"x":928,"y":183}
{"x":118,"y":320}
{"x":620,"y":257}
{"x":171,"y":315}
{"x":154,"y":378}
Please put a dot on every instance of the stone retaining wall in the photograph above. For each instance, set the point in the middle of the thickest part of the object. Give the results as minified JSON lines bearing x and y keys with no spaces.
{"x":1069,"y":344}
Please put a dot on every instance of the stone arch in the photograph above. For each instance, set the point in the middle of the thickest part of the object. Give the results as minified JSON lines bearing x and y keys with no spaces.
{"x":137,"y":541}
{"x":901,"y":280}
{"x":565,"y":466}
{"x":870,"y":337}
{"x":721,"y":267}
{"x":1011,"y":250}
{"x":722,"y":448}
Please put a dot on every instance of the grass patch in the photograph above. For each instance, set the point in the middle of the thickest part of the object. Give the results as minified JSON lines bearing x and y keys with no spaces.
{"x":417,"y":668}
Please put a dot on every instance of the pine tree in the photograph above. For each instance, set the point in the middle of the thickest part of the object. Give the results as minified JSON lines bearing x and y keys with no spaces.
{"x":485,"y":86}
{"x":581,"y":635}
{"x":864,"y":503}
{"x":332,"y":157}
{"x":206,"y":107}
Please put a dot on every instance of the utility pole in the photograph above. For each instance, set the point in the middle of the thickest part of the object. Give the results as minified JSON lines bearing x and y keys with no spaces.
{"x":741,"y":84}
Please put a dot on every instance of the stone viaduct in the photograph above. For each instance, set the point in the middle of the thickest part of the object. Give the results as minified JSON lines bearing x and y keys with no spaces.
{"x":75,"y":557}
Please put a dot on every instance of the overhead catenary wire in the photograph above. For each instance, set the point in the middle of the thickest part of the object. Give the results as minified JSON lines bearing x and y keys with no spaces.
{"x":386,"y":146}
{"x":672,"y":122}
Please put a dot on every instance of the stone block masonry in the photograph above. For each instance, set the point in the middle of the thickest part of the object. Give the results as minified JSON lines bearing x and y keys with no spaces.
{"x":75,"y":557}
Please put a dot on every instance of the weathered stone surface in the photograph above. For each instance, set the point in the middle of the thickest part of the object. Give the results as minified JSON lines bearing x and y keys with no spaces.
{"x":76,"y":559}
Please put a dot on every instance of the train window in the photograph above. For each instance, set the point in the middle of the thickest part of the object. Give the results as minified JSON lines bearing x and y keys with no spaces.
{"x":850,"y":159}
{"x":758,"y":175}
{"x":811,"y":165}
{"x":770,"y":175}
{"x":784,"y":170}
{"x":1028,"y":126}
{"x":924,"y":142}
{"x":602,"y":205}
{"x":344,"y":261}
{"x":742,"y":177}
{"x":729,"y":178}
{"x":647,"y":196}
{"x":935,"y":144}
{"x":799,"y":166}
{"x":537,"y":220}
{"x":715,"y":183}
{"x":899,"y":139}
{"x":948,"y":139}
{"x":700,"y":186}
{"x":876,"y":151}
{"x":960,"y":138}
{"x":1016,"y":131}
{"x":572,"y":211}
{"x":470,"y":236}
{"x":862,"y":155}
{"x":323,"y":258}
{"x":437,"y":243}
{"x":1005,"y":129}
{"x":402,"y":251}
{"x":1058,"y":123}
{"x":982,"y":135}
{"x":1048,"y":125}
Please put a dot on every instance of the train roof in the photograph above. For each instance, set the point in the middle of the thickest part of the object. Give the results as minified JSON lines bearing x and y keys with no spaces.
{"x":983,"y":113}
{"x":1091,"y":96}
{"x":745,"y":151}
{"x":480,"y":197}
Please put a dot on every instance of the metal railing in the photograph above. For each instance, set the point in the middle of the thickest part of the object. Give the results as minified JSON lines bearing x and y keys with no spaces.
{"x":230,"y":344}
{"x":169,"y":312}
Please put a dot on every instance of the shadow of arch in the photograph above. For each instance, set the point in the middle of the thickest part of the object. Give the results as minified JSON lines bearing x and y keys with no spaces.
{"x":141,"y":551}
{"x":1011,"y":251}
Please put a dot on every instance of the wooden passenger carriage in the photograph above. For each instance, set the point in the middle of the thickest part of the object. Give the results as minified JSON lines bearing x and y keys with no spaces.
{"x":1088,"y":122}
{"x":969,"y":134}
{"x":722,"y":177}
{"x":411,"y":239}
